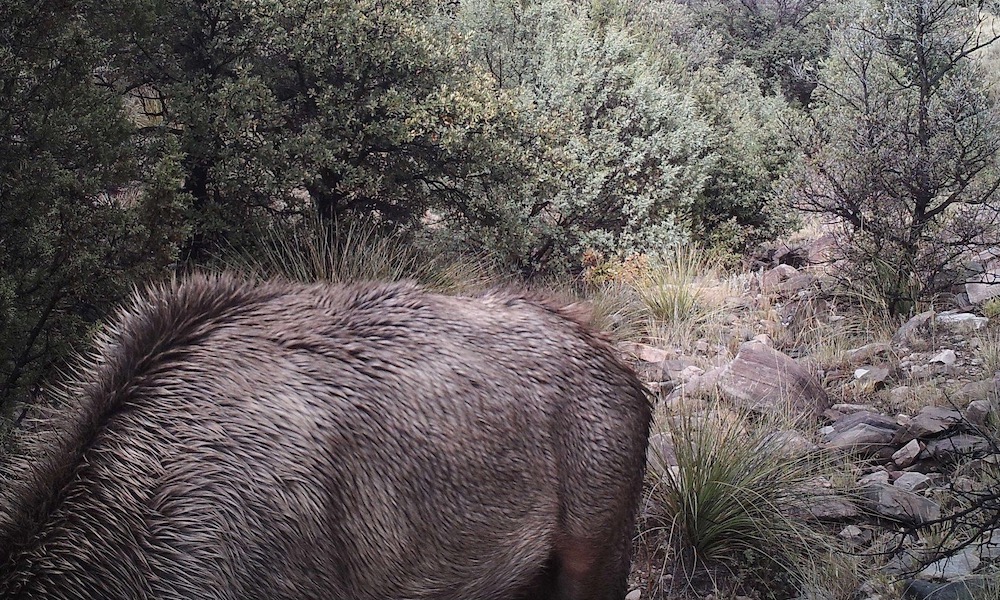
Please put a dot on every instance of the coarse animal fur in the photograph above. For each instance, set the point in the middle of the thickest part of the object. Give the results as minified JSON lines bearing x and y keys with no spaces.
{"x":234,"y":439}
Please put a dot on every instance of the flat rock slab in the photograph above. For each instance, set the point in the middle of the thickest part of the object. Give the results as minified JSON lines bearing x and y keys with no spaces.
{"x":930,"y":421}
{"x":963,"y":445}
{"x":972,"y":589}
{"x":762,"y":379}
{"x":961,"y":322}
{"x":899,"y":505}
{"x":831,"y":507}
{"x":950,"y":568}
{"x":869,"y":378}
{"x":645,"y":352}
{"x":913,"y":482}
{"x":862,"y":438}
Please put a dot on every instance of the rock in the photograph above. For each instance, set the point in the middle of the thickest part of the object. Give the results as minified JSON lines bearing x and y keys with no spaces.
{"x":634,"y":595}
{"x":899,"y":505}
{"x":986,"y":389}
{"x":829,"y":506}
{"x":794,"y":255}
{"x":963,"y":445}
{"x":822,"y":249}
{"x":770,"y":280}
{"x":862,"y":432}
{"x":956,"y":566}
{"x":789,"y":443}
{"x":765,"y":380}
{"x":989,"y":546}
{"x":679,"y":369}
{"x":796,"y":283}
{"x":907,"y":455}
{"x":644,"y":352}
{"x":978,"y":411}
{"x":945,"y":357}
{"x":915,"y":329}
{"x":855,"y":535}
{"x":930,"y":421}
{"x":961,"y":322}
{"x":984,"y":283}
{"x":870,"y":378}
{"x":865,"y":353}
{"x":970,"y":589}
{"x":862,"y":439}
{"x":844,"y":409}
{"x":874,"y":478}
{"x":913,"y":482}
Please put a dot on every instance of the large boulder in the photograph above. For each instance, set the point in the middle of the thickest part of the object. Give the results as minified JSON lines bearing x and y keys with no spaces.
{"x":762,"y":379}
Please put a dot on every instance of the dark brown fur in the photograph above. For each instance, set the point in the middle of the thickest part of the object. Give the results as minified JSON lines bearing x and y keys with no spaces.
{"x":276,"y":440}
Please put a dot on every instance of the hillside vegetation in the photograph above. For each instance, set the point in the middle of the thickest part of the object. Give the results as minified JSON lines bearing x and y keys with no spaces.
{"x":653,"y":158}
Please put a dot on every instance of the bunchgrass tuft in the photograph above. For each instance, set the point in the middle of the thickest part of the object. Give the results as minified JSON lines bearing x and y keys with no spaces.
{"x":359,"y":250}
{"x":735,"y":506}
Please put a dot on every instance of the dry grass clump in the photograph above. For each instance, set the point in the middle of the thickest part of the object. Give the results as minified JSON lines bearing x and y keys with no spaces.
{"x":360,"y":250}
{"x":988,"y":350}
{"x":672,"y":300}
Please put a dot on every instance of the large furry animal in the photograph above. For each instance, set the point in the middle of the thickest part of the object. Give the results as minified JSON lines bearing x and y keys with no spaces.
{"x":275,"y":440}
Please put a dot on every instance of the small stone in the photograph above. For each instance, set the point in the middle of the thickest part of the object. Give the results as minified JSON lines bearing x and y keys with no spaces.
{"x":795,"y":284}
{"x":856,"y":536}
{"x":862,"y":438}
{"x":913,"y":482}
{"x":789,"y":443}
{"x":871,"y":377}
{"x":986,"y":389}
{"x":900,"y":395}
{"x":771,"y":279}
{"x":989,"y":547}
{"x":907,"y":455}
{"x":963,"y":485}
{"x":831,"y":507}
{"x":945,"y":357}
{"x":977,"y":412}
{"x":634,"y":595}
{"x":660,"y":454}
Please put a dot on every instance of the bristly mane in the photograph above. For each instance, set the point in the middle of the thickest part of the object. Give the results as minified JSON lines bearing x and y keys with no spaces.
{"x":142,"y":336}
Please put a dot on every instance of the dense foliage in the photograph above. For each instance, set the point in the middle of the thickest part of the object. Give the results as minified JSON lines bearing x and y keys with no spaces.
{"x":903,"y":145}
{"x":139,"y":137}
